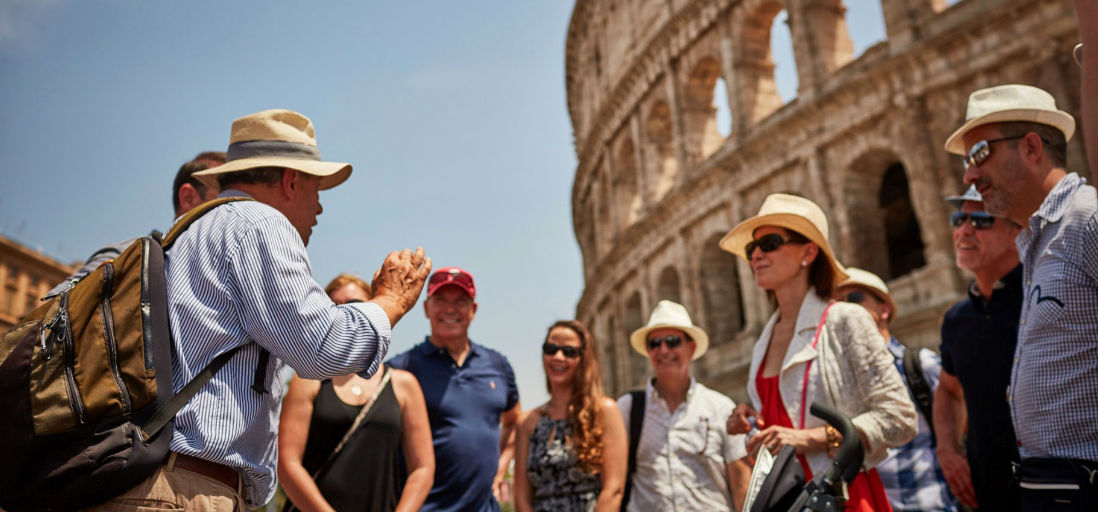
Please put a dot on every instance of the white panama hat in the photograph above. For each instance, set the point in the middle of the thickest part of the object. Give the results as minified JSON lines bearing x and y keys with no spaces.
{"x":859,"y":277}
{"x":670,"y":315}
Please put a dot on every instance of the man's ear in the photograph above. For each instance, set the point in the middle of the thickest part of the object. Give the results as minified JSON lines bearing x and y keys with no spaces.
{"x":188,"y":198}
{"x":1031,"y":147}
{"x":288,"y":186}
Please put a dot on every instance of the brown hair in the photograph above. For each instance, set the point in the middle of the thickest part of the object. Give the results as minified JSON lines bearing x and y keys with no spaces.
{"x":204,"y":160}
{"x":584,"y":409}
{"x":1051,"y":136}
{"x":345,"y":279}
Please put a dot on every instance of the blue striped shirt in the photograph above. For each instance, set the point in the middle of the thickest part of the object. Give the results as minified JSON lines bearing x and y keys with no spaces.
{"x":1054,"y":383}
{"x":240,"y":276}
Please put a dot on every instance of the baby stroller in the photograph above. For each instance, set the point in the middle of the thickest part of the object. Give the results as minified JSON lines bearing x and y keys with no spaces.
{"x":785,"y":490}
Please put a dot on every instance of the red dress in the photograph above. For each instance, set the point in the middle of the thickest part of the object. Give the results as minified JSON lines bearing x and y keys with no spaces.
{"x":866,"y":492}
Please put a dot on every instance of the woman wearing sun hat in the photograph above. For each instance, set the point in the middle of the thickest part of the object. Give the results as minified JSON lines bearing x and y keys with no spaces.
{"x":815,"y":350}
{"x":570,"y":453}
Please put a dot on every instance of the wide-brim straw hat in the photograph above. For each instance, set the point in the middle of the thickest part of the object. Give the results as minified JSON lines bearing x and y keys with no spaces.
{"x":1006,"y":103}
{"x":276,"y":138}
{"x":791,"y":212}
{"x":859,"y":277}
{"x":670,"y":315}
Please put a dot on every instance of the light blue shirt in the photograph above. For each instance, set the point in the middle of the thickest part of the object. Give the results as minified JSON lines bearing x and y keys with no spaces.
{"x":1054,"y":382}
{"x":240,"y":276}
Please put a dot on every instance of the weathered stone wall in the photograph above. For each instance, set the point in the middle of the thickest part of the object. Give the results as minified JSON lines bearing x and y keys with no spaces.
{"x":656,"y":185}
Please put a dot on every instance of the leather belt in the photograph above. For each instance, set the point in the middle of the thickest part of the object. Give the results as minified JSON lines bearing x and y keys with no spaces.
{"x":219,"y":472}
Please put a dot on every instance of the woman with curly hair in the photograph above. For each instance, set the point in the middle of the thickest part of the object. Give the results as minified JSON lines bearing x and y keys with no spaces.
{"x":570,"y":452}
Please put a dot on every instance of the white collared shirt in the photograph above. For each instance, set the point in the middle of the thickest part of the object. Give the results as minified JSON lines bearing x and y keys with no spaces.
{"x":683,"y":455}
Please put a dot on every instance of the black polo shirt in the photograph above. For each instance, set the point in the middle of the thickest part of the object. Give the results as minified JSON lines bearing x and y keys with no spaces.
{"x":978,"y":339}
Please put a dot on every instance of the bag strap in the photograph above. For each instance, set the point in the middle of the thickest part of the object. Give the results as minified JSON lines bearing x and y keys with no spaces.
{"x":168,"y":411}
{"x":918,"y":386}
{"x":194,"y":214}
{"x":808,"y":365}
{"x":636,"y":423}
{"x":358,"y":422}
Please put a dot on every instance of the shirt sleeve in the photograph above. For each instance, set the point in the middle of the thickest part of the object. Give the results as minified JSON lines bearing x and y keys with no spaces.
{"x":946,"y":349}
{"x":625,"y":406}
{"x":512,"y":387}
{"x":285,"y":311}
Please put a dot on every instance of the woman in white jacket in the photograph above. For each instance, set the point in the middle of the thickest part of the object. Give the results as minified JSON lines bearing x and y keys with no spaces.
{"x":815,"y":350}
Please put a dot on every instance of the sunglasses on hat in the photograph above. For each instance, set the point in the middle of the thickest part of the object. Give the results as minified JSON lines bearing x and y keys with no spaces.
{"x":980,"y":220}
{"x":768,"y":243}
{"x":671,"y":340}
{"x":551,"y":349}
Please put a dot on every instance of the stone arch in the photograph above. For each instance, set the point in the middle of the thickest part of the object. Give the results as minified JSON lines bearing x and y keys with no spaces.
{"x":722,"y":298}
{"x":669,"y":286}
{"x":757,"y":89}
{"x":627,"y":200}
{"x":663,"y":166}
{"x":699,"y":111}
{"x":888,"y":239}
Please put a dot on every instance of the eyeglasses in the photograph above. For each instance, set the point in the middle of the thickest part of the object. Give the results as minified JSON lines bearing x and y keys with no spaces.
{"x":981,"y":150}
{"x":856,"y":297}
{"x":551,"y":349}
{"x":980,"y":220}
{"x":671,"y":340}
{"x":768,"y":243}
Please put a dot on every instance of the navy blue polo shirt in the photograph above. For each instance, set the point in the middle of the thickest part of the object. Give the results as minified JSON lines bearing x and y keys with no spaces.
{"x":464,"y":404}
{"x":978,"y":340}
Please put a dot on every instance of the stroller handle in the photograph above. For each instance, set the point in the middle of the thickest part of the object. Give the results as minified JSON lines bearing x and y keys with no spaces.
{"x":848,"y":461}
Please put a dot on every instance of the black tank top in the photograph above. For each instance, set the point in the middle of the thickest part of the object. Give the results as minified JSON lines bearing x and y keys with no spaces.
{"x":364,"y":475}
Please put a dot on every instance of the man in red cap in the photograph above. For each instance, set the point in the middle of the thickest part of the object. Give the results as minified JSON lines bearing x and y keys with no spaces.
{"x":472,"y":399}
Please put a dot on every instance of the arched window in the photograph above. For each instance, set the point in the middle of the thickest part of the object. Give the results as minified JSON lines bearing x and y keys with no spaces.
{"x":663,"y":166}
{"x":699,"y":111}
{"x":868,"y":17}
{"x":902,"y":233}
{"x":762,"y":49}
{"x":784,"y":60}
{"x":668,"y":287}
{"x":724,"y":111}
{"x":628,"y":199}
{"x":721,"y":294}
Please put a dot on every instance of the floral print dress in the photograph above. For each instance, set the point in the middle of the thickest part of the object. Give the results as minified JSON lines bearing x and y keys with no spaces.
{"x":559,"y":484}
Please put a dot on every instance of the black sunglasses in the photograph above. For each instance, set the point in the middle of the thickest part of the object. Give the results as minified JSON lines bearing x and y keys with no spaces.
{"x":551,"y":349}
{"x":980,"y":220}
{"x":768,"y":243}
{"x":671,"y":340}
{"x":855,"y":297}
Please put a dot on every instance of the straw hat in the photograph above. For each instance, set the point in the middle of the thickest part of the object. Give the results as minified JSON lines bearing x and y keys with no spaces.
{"x":276,"y":138}
{"x":670,"y":315}
{"x":790,"y":212}
{"x":1005,"y":103}
{"x":859,"y":277}
{"x":970,"y":195}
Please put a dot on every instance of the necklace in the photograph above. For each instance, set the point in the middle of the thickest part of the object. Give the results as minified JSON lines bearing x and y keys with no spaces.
{"x":356,"y":390}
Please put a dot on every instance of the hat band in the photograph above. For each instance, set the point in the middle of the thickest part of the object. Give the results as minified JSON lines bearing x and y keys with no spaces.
{"x":268,"y":148}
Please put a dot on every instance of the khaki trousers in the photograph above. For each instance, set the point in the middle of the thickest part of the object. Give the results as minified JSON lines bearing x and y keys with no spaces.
{"x":172,"y":488}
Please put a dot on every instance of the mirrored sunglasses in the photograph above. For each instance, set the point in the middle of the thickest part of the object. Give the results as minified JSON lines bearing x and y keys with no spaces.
{"x":980,"y":220}
{"x":671,"y":340}
{"x":981,"y":151}
{"x":767,"y":243}
{"x":551,"y":349}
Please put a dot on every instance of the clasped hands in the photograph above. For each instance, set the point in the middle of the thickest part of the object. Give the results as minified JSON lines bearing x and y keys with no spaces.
{"x":774,"y":436}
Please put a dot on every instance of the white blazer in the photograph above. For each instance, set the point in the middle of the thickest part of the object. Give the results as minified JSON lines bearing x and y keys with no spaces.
{"x":852,"y":370}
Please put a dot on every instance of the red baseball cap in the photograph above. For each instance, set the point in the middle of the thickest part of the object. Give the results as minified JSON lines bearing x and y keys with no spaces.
{"x":452,"y":275}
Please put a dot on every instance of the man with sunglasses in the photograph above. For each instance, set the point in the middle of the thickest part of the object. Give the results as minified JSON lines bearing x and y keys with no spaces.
{"x":1015,"y":138}
{"x":978,"y":339}
{"x":472,"y":399}
{"x":684,"y":459}
{"x":911,"y":475}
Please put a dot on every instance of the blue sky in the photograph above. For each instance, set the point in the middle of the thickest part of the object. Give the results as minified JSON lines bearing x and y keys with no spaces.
{"x":453,"y":115}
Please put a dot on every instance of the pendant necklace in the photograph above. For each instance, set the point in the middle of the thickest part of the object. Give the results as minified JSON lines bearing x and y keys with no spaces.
{"x":356,"y":390}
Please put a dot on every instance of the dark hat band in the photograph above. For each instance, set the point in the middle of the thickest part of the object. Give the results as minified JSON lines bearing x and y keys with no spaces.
{"x":269,"y":148}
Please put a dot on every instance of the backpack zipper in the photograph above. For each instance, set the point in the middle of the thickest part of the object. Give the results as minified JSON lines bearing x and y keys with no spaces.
{"x":65,"y":336}
{"x":112,"y":343}
{"x":146,"y":303}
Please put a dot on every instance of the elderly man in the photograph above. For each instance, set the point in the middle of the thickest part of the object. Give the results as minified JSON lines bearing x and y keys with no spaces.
{"x":681,"y":432}
{"x":978,"y":339}
{"x":472,"y":399}
{"x":911,"y":475}
{"x":1013,"y":142}
{"x":240,"y":277}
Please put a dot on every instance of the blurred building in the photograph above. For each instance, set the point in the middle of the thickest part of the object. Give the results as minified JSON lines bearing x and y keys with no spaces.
{"x":25,"y":276}
{"x":657,"y":184}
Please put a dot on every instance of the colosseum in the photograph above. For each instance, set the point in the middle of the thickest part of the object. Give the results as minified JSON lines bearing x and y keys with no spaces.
{"x":657,"y":184}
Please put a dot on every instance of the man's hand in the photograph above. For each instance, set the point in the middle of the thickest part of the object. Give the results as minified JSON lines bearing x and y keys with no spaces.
{"x":399,"y":281}
{"x":958,"y":475}
{"x":739,"y":422}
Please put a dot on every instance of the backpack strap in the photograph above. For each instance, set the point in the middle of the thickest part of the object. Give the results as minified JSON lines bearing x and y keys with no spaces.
{"x":194,"y":214}
{"x":636,"y":422}
{"x":168,"y":411}
{"x":919,"y":388}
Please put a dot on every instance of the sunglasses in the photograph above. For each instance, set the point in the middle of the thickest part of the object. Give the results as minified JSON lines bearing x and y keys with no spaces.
{"x":768,"y":243}
{"x":980,"y":220}
{"x":671,"y":340}
{"x":551,"y":349}
{"x":981,"y":150}
{"x":451,"y":277}
{"x":856,"y":297}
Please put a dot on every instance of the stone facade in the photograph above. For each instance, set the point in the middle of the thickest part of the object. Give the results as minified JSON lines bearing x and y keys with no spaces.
{"x":656,"y":185}
{"x":25,"y":276}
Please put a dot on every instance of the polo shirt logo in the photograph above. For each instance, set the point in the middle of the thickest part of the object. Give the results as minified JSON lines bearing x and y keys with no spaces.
{"x":1037,"y":292}
{"x":492,"y":384}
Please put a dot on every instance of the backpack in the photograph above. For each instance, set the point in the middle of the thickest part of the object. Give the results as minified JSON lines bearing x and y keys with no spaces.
{"x":86,"y":384}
